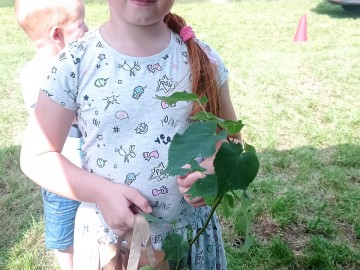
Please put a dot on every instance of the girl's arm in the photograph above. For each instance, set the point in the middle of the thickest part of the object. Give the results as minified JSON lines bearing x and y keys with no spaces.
{"x":226,"y":112}
{"x":41,"y":160}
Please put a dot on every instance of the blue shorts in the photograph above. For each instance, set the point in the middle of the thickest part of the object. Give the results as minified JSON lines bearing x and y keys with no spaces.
{"x":59,"y":214}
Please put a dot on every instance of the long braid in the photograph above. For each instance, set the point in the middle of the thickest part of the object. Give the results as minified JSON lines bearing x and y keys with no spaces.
{"x":202,"y":70}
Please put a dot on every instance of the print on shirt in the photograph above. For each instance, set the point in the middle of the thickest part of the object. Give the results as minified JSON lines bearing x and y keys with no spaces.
{"x":121,"y":115}
{"x":200,"y":259}
{"x":131,"y":68}
{"x":101,"y":56}
{"x":126,"y":154}
{"x":101,"y":162}
{"x":169,"y":121}
{"x":130,"y":177}
{"x":157,"y":173}
{"x":164,"y":105}
{"x":62,"y":56}
{"x":161,"y":205}
{"x":111,"y":100}
{"x":149,"y":155}
{"x":71,"y":94}
{"x":166,"y":84}
{"x":161,"y":139}
{"x":76,"y":60}
{"x":138,"y":91}
{"x":154,"y":68}
{"x":162,"y":190}
{"x":142,"y":128}
{"x":100,"y":82}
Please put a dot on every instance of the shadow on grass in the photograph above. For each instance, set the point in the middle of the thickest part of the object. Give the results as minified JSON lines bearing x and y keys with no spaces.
{"x":305,"y":202}
{"x":336,"y":11}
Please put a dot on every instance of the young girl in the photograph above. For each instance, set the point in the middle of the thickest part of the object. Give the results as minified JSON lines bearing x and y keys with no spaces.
{"x":109,"y":80}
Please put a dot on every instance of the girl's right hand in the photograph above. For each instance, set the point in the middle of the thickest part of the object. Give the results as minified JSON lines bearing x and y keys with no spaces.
{"x":116,"y":202}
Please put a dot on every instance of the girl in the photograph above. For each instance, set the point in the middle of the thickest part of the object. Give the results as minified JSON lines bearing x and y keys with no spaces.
{"x":109,"y":80}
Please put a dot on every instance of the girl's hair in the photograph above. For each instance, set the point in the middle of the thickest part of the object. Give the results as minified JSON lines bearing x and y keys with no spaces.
{"x":37,"y":17}
{"x":202,"y":70}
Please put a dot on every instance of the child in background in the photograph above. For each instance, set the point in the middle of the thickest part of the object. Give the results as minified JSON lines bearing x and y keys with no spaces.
{"x":50,"y":25}
{"x":109,"y":81}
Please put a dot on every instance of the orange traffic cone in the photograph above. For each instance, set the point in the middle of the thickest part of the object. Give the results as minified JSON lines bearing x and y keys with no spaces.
{"x":301,"y":32}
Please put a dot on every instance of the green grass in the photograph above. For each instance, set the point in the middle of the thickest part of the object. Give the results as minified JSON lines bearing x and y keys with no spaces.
{"x":300,"y":103}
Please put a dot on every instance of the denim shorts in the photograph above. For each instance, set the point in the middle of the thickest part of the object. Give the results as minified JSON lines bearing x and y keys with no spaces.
{"x":59,"y":214}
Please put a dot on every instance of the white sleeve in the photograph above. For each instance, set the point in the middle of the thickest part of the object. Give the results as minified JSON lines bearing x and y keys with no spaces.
{"x":216,"y":59}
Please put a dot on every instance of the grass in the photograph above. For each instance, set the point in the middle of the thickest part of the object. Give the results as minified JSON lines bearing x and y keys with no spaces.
{"x":300,"y":103}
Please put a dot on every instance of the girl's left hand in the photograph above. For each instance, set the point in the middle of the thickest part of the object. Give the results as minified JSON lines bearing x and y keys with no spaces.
{"x":185,"y":183}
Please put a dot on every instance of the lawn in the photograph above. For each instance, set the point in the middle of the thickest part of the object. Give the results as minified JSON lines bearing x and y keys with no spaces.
{"x":301,"y":106}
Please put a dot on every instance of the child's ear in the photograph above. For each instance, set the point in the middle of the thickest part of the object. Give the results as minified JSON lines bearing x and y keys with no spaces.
{"x":57,"y":35}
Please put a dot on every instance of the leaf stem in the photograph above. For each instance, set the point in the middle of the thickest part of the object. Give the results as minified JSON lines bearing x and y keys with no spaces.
{"x":202,"y":107}
{"x":227,"y":137}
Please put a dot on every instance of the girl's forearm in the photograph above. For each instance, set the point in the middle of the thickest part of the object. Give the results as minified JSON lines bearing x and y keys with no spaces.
{"x":57,"y":174}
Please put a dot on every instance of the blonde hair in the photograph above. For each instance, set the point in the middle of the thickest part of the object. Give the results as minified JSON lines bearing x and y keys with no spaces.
{"x":37,"y":17}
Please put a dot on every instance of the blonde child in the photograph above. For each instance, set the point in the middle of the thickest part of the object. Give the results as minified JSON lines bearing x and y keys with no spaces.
{"x":109,"y":81}
{"x":50,"y":25}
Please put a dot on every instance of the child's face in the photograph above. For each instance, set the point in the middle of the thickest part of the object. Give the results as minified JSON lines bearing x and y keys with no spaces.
{"x":139,"y":12}
{"x":77,"y":27}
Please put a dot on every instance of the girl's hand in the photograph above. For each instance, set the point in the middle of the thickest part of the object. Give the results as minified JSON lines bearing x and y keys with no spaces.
{"x":117,"y":203}
{"x":185,"y":183}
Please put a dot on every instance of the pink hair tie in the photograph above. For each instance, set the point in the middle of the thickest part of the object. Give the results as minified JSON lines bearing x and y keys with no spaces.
{"x":186,"y":33}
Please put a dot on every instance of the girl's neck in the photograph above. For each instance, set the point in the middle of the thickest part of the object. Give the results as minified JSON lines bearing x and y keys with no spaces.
{"x":137,"y":41}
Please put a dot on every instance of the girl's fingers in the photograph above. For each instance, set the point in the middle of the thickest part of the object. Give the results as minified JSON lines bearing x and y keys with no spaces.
{"x":195,"y":202}
{"x":190,"y":179}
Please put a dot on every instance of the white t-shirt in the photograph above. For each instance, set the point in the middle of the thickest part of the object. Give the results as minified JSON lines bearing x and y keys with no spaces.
{"x":126,"y":130}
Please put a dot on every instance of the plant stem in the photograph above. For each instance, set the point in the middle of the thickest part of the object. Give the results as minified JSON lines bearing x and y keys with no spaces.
{"x":221,"y":128}
{"x":178,"y":264}
{"x":213,"y":208}
{"x":202,"y":107}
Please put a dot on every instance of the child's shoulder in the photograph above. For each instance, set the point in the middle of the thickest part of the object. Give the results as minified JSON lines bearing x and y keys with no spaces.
{"x":33,"y":69}
{"x":211,"y":52}
{"x":31,"y":76}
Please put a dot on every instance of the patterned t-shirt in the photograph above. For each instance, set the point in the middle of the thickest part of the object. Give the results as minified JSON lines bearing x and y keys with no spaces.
{"x":126,"y":129}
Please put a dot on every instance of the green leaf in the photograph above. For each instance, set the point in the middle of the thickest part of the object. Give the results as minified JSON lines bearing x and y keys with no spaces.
{"x":205,"y":188}
{"x":243,"y":221}
{"x":232,"y":127}
{"x":203,"y":100}
{"x":244,"y":217}
{"x":195,"y":166}
{"x":249,"y":241}
{"x":181,"y":96}
{"x":204,"y":116}
{"x":234,"y":168}
{"x":175,"y":248}
{"x":179,"y":171}
{"x":249,"y":148}
{"x":227,"y":205}
{"x":152,"y":219}
{"x":198,"y":140}
{"x":146,"y":267}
